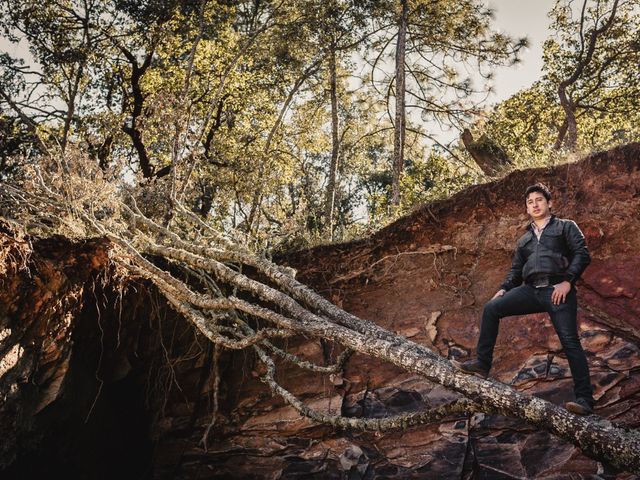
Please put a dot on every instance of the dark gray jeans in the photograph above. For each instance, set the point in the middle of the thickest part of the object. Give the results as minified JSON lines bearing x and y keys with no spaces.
{"x":524,"y":300}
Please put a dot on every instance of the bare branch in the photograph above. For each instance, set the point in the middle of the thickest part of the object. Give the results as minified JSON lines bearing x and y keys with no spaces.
{"x":454,"y":409}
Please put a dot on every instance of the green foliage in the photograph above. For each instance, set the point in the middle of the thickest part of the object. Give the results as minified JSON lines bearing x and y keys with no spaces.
{"x":606,"y":94}
{"x":526,"y":125}
{"x":227,"y":105}
{"x":435,"y":178}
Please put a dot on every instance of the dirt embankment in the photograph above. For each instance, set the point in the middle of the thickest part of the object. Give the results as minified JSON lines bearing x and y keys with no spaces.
{"x":116,"y":374}
{"x":73,"y":394}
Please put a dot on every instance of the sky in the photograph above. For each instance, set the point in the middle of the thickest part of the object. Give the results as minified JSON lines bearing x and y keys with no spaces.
{"x":520,"y":18}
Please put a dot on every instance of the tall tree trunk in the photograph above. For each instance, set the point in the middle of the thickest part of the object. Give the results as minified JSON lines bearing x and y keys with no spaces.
{"x":335,"y":145}
{"x":399,"y":130}
{"x":562,"y":132}
{"x":308,"y":72}
{"x":138,"y":98}
{"x":256,"y":201}
{"x":71,"y":107}
{"x":568,"y":133}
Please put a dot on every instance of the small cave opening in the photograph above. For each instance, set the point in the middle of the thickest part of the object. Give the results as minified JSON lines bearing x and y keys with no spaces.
{"x":99,"y":425}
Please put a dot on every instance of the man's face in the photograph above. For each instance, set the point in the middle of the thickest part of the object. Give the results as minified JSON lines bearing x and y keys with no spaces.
{"x":537,"y":206}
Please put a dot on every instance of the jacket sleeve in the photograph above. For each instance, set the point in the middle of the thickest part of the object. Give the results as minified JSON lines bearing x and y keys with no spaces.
{"x":514,"y":277}
{"x":580,"y":257}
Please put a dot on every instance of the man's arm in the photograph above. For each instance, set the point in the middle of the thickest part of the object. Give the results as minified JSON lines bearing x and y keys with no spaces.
{"x":514,"y":278}
{"x":580,"y":257}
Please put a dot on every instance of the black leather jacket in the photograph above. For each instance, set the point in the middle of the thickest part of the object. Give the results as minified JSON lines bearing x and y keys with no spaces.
{"x":561,"y":251}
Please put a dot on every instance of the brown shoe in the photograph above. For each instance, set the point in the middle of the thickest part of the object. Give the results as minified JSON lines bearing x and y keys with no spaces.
{"x":474,"y":367}
{"x":581,"y":406}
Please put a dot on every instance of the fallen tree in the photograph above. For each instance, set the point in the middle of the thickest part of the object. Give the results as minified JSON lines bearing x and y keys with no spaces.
{"x":240,"y":300}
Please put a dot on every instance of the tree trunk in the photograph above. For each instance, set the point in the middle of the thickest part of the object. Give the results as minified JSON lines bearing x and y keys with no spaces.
{"x":399,"y":130}
{"x":335,"y":146}
{"x":562,"y":132}
{"x":568,"y":133}
{"x":138,"y":98}
{"x":71,"y":108}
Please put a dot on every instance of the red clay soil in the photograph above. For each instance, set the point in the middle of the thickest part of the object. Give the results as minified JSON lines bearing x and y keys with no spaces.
{"x":131,"y":363}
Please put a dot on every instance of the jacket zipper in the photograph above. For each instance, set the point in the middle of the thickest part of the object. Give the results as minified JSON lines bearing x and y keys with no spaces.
{"x":537,"y":250}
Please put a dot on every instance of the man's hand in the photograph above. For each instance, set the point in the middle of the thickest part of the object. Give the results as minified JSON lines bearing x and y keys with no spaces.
{"x":499,"y":293}
{"x":560,"y":291}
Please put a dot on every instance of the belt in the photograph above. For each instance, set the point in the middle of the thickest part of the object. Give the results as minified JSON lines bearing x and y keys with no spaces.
{"x":541,"y":281}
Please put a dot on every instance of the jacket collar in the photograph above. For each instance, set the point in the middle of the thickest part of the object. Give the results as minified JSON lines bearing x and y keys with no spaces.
{"x":551,"y":220}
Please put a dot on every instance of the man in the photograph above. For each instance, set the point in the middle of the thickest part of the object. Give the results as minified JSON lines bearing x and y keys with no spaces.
{"x":549,"y":259}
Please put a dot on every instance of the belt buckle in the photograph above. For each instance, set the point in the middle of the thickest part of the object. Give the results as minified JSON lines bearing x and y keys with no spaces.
{"x":542,"y":283}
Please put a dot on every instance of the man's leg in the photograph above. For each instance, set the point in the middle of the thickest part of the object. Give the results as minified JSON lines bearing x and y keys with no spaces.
{"x":518,"y":301}
{"x":563,"y":317}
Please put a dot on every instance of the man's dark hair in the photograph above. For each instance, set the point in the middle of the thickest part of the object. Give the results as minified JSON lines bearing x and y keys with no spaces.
{"x":538,"y":187}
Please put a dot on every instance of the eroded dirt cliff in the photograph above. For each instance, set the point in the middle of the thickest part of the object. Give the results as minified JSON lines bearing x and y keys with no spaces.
{"x":114,"y":372}
{"x":74,"y":400}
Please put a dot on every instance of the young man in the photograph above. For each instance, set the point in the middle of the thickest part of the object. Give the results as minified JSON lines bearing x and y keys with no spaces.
{"x":549,"y":259}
